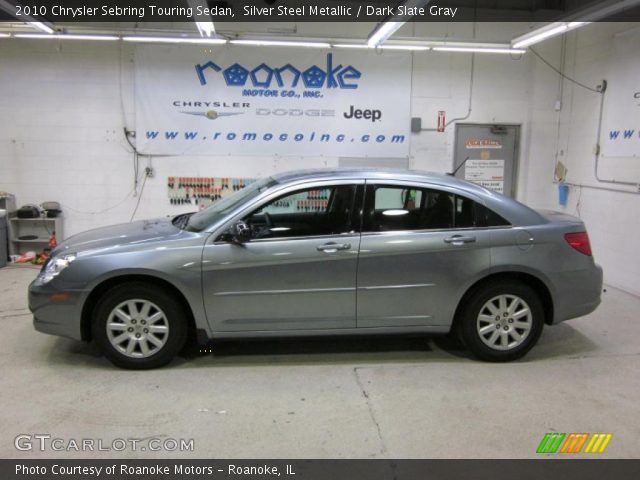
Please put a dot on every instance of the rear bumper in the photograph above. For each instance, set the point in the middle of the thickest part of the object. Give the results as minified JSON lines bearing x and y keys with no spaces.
{"x":577,"y":293}
{"x":56,"y":312}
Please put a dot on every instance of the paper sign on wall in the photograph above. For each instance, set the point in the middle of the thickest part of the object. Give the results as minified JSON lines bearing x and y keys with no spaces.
{"x":288,"y":101}
{"x":487,"y":173}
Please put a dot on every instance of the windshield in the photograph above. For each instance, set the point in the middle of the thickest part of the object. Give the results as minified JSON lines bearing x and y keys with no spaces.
{"x":219,"y":210}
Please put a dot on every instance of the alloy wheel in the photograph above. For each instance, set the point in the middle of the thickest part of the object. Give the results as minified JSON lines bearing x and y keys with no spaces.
{"x":137,"y":328}
{"x":504,"y":322}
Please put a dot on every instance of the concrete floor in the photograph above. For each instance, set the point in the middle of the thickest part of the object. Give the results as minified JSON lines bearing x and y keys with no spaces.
{"x":347,"y":398}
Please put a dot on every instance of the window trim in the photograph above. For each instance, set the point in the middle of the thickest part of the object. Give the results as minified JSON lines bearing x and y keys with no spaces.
{"x":437,"y":230}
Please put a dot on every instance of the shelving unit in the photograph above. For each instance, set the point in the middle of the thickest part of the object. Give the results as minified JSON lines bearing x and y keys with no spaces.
{"x":42,"y":228}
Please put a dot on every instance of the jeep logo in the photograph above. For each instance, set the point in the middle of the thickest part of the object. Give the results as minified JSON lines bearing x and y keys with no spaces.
{"x":373,"y":115}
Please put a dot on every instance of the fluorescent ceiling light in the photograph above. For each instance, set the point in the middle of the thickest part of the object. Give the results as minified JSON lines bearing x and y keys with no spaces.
{"x":280,"y":43}
{"x":66,"y":36}
{"x":4,"y":35}
{"x":404,"y":47}
{"x":352,"y":45}
{"x":41,"y":26}
{"x":384,"y":47}
{"x":479,"y":50}
{"x":205,"y":41}
{"x":383,"y":32}
{"x":599,"y":11}
{"x":539,"y":35}
{"x":206,"y":29}
{"x":545,"y":32}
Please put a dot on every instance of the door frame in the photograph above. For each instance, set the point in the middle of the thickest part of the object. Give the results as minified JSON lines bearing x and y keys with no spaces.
{"x":516,"y":148}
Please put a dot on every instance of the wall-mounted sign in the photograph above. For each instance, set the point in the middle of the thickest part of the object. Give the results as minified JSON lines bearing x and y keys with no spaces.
{"x":487,"y":173}
{"x":620,"y":126}
{"x":288,"y":101}
{"x":473,"y":143}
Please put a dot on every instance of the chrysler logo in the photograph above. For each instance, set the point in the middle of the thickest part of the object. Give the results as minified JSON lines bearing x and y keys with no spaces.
{"x":212,"y":114}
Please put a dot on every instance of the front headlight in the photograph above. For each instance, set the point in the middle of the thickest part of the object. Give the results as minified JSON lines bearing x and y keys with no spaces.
{"x":53,"y":267}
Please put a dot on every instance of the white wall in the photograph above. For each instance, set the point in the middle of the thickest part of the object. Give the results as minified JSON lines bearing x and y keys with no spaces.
{"x":64,"y":106}
{"x":611,"y":217}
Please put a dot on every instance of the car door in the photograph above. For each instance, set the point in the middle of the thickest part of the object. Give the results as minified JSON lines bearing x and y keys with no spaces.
{"x":298,"y":271}
{"x":419,"y":246}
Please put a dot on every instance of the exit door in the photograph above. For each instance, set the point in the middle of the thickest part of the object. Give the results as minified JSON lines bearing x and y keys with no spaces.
{"x":491,"y":154}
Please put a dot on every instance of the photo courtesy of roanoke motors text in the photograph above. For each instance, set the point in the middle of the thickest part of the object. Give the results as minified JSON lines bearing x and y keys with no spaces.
{"x":319,"y":239}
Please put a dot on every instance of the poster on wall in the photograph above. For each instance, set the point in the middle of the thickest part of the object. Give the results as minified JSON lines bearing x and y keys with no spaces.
{"x":621,"y":116}
{"x":235,"y":100}
{"x":487,"y":173}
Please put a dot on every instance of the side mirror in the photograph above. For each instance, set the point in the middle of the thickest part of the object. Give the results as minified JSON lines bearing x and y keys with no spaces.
{"x":240,"y":232}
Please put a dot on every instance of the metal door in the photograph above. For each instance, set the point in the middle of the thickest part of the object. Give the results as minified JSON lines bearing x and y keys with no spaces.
{"x":299,"y":283}
{"x":490,"y":155}
{"x":411,"y":278}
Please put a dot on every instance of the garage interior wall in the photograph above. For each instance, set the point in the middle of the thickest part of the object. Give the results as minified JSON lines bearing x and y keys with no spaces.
{"x":64,"y":106}
{"x":610,"y":215}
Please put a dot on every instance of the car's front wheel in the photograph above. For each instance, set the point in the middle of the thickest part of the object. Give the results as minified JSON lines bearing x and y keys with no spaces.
{"x":139,"y":326}
{"x":501,"y":321}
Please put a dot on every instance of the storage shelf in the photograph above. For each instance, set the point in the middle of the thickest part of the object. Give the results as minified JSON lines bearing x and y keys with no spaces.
{"x":34,"y":240}
{"x":40,"y":219}
{"x":41,"y":227}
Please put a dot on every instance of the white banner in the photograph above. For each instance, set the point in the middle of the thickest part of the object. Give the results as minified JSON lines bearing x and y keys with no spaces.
{"x":621,"y":122}
{"x":265,"y":101}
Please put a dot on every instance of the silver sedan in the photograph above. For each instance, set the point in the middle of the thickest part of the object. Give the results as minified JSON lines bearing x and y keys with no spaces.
{"x":323,"y":252}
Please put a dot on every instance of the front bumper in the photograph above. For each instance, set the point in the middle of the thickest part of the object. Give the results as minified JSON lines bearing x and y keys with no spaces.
{"x":577,"y":293}
{"x":56,"y":312}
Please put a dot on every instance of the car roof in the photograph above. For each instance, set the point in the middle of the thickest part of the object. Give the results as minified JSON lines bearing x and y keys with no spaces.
{"x":379,"y":174}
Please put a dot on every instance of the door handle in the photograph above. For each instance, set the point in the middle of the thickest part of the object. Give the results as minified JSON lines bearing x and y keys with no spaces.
{"x":333,"y":247}
{"x":459,"y":240}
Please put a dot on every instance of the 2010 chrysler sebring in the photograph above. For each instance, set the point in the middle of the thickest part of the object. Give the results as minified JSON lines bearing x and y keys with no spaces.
{"x":323,"y":252}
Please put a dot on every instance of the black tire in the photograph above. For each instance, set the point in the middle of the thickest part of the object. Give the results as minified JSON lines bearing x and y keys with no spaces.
{"x":467,"y":323}
{"x":174,"y":318}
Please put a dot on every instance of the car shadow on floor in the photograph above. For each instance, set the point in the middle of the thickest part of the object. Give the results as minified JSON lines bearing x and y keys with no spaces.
{"x":556,"y":342}
{"x":316,"y":350}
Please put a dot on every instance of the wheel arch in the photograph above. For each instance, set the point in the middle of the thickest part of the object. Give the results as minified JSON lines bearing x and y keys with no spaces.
{"x":532,"y":281}
{"x":104,"y":286}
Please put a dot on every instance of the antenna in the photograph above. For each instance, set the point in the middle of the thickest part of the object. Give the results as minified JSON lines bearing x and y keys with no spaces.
{"x":453,"y":174}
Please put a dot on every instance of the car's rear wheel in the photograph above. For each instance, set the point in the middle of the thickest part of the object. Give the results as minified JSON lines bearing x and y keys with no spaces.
{"x":501,"y":321}
{"x":139,"y":326}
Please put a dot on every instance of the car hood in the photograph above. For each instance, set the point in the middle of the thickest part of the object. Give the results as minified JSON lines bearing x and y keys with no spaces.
{"x":125,"y":235}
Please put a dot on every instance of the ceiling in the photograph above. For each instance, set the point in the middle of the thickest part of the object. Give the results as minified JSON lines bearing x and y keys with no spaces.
{"x":530,"y":12}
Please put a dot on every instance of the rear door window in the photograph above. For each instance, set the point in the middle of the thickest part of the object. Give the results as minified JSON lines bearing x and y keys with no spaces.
{"x":391,"y":208}
{"x":397,"y":208}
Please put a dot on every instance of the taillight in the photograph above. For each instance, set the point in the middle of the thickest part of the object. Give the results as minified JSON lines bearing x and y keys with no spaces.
{"x":579,"y":241}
